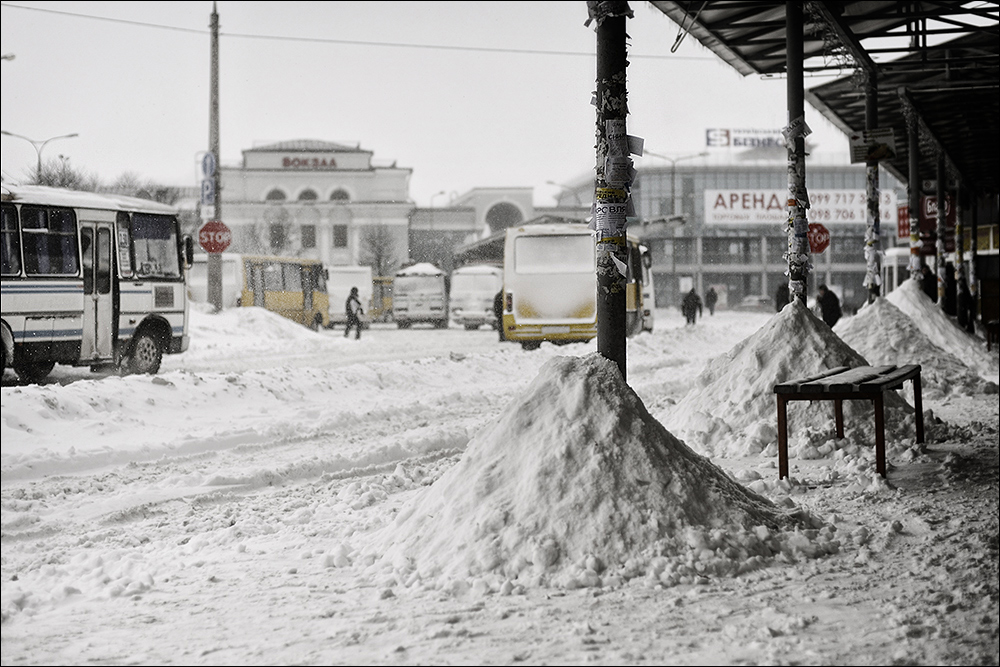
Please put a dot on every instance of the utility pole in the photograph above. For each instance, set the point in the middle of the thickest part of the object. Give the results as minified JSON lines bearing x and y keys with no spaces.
{"x":614,"y":176}
{"x":797,"y":225}
{"x":214,"y":258}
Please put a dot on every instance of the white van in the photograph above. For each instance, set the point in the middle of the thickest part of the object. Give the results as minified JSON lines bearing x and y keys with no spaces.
{"x":419,"y":294}
{"x":339,"y":281}
{"x":232,"y":279}
{"x":471,"y":295}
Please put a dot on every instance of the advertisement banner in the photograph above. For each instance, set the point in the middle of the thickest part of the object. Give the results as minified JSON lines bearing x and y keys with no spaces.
{"x":831,"y":207}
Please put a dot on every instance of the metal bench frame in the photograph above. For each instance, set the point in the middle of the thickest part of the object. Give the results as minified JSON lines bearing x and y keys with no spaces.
{"x":845,"y":383}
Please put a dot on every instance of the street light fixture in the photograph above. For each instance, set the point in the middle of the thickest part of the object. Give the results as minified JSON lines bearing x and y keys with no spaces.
{"x":39,"y":145}
{"x":573,"y":192}
{"x":673,"y":181}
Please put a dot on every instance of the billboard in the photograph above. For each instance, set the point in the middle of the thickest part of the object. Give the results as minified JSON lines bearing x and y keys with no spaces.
{"x":754,"y":207}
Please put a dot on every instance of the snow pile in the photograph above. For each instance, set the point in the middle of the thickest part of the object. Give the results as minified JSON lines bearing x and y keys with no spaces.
{"x":731,"y":411}
{"x":885,"y":335}
{"x":577,"y":485}
{"x":943,"y":331}
{"x":245,"y":331}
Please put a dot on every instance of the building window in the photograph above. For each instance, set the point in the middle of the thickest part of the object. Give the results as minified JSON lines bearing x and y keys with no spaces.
{"x":340,"y":236}
{"x":308,"y":236}
{"x":277,"y":237}
{"x":275,"y":195}
{"x":339,"y":195}
{"x":308,"y":195}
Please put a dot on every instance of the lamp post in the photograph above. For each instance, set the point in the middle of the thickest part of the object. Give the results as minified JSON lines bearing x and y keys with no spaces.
{"x":673,"y":180}
{"x":39,"y":145}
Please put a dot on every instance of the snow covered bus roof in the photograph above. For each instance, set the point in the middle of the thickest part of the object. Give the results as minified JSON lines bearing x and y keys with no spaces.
{"x":45,"y":195}
{"x":420,"y":269}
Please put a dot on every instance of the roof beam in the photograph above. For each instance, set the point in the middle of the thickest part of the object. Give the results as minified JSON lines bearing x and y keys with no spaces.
{"x":910,"y":107}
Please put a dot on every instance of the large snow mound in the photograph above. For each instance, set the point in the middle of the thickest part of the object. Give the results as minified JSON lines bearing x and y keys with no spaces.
{"x":943,"y":331}
{"x":575,"y":484}
{"x":885,"y":335}
{"x":732,"y":409}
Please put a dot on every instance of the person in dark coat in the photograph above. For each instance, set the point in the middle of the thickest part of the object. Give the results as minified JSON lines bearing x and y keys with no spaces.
{"x":354,"y":311}
{"x":691,"y":306}
{"x":928,"y":281}
{"x":829,"y":305}
{"x":781,"y":298}
{"x":711,"y":298}
{"x":498,"y":312}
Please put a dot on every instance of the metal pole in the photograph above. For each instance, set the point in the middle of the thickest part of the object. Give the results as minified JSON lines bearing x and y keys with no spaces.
{"x":797,"y":224}
{"x":611,"y":183}
{"x":214,"y":258}
{"x":873,"y":250}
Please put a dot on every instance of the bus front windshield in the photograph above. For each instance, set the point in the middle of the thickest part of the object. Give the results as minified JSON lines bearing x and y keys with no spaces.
{"x":155,"y":243}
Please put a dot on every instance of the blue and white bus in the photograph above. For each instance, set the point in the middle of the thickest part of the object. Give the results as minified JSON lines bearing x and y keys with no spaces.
{"x":90,"y":279}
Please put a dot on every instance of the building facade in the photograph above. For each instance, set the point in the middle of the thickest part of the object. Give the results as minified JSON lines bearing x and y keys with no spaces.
{"x":319,"y":200}
{"x":718,"y":224}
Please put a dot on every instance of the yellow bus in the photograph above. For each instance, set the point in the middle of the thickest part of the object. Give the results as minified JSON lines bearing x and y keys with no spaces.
{"x":289,"y":286}
{"x":550,"y":285}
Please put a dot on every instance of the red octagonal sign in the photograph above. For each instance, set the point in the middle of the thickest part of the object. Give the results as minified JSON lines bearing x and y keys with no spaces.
{"x":214,"y":236}
{"x":819,"y":238}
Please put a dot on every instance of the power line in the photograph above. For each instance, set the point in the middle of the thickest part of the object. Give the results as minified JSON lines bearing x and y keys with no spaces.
{"x":348,"y":42}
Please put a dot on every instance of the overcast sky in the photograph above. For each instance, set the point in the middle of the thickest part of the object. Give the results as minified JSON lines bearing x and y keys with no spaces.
{"x":466,"y":94}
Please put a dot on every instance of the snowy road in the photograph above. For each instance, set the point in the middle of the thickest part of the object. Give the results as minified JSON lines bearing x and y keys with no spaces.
{"x":215,"y":513}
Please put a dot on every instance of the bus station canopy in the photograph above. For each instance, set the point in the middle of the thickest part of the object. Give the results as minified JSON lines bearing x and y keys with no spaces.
{"x":935,"y":64}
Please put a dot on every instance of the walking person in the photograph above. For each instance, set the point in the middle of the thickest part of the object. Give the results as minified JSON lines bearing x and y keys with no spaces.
{"x":691,"y":306}
{"x":354,"y":312}
{"x":829,"y":305}
{"x":711,"y":298}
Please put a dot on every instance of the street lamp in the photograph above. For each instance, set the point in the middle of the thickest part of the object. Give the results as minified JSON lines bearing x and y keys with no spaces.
{"x":673,"y":181}
{"x":39,"y":145}
{"x":573,"y":192}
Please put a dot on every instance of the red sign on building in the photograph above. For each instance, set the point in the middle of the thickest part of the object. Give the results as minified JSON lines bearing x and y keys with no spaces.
{"x":214,"y":236}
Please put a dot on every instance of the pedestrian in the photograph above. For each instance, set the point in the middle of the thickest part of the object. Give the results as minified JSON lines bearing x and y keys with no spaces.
{"x":928,"y":281}
{"x":781,"y":298}
{"x":354,"y":312}
{"x":711,"y":297}
{"x":829,"y":305}
{"x":498,"y":313}
{"x":691,"y":306}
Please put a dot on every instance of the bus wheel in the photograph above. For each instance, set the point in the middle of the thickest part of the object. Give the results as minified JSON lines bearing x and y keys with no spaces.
{"x":32,"y":372}
{"x":531,"y":344}
{"x":146,"y":355}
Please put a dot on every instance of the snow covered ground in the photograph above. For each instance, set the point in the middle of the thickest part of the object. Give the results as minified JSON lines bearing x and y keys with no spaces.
{"x":276,"y":495}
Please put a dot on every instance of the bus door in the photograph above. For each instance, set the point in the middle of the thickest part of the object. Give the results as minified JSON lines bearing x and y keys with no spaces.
{"x":98,"y":291}
{"x":255,"y":281}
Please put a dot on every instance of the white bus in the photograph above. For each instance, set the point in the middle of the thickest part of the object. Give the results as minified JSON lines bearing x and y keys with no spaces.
{"x":420,"y":294}
{"x":90,"y":280}
{"x":471,"y":294}
{"x":550,"y":285}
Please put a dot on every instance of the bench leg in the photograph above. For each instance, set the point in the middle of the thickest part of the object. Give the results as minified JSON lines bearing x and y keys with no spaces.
{"x":879,"y":434}
{"x":918,"y":405}
{"x":838,"y":412}
{"x":782,"y":439}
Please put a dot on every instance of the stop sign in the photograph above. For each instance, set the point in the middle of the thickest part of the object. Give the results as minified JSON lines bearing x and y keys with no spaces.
{"x":819,"y":238}
{"x":214,"y":236}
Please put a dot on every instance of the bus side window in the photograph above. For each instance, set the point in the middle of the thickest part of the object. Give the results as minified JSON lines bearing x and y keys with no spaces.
{"x":10,"y":245}
{"x":50,"y":244}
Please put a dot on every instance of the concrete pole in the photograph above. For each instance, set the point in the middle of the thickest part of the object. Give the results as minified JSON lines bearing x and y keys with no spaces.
{"x":913,"y":192}
{"x":941,"y":269}
{"x":215,"y":259}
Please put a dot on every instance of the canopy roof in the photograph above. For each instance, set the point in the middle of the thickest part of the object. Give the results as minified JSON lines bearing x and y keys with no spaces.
{"x":936,"y":64}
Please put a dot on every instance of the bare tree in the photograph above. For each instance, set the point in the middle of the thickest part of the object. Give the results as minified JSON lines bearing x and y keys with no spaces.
{"x":378,"y":250}
{"x":58,"y":173}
